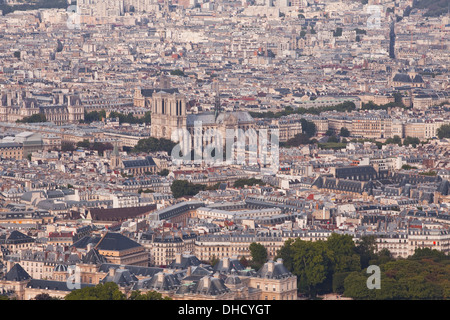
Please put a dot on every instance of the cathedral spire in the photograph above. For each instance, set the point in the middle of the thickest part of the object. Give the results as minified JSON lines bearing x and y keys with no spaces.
{"x":216,"y":101}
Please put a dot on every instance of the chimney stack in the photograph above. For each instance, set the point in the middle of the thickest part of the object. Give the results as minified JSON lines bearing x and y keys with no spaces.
{"x":270,"y":266}
{"x":226,"y":263}
{"x":9,"y":265}
{"x":178,"y":258}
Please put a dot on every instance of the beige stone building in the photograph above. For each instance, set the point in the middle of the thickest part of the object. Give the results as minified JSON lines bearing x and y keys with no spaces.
{"x":275,"y":282}
{"x":11,"y":151}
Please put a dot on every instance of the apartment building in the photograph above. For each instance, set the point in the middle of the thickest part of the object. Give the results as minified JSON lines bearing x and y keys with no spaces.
{"x":11,"y":151}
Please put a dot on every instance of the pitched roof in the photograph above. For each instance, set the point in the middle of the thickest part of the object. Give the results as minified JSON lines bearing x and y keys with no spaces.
{"x":147,"y":162}
{"x":207,"y":286}
{"x":273,"y":270}
{"x":118,"y":214}
{"x":54,"y":285}
{"x":18,"y":237}
{"x":186,"y":261}
{"x":83,"y":242}
{"x":122,"y":277}
{"x":135,"y":270}
{"x":159,"y":281}
{"x":93,"y":257}
{"x":17,"y":273}
{"x":116,"y":242}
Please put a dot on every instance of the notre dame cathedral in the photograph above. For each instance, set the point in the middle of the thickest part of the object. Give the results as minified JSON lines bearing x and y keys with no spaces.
{"x":168,"y":112}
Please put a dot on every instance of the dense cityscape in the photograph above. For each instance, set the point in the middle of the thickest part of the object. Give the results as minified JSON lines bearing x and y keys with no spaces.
{"x":224,"y":150}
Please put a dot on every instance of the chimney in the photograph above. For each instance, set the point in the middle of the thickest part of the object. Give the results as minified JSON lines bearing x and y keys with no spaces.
{"x":89,"y":247}
{"x":160,"y":277}
{"x":270,"y":266}
{"x":226,"y":263}
{"x":112,"y":272}
{"x":279,"y":260}
{"x":206,"y":282}
{"x":178,"y":258}
{"x":189,"y":271}
{"x":9,"y":265}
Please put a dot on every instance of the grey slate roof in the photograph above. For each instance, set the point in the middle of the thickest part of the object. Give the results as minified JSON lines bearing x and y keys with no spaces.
{"x":206,"y":286}
{"x":93,"y":257}
{"x":53,"y":285}
{"x":83,"y":242}
{"x":122,"y":277}
{"x":135,"y":270}
{"x":160,"y":281}
{"x":278,"y":271}
{"x":17,"y":273}
{"x":147,"y":162}
{"x":186,"y":261}
{"x":228,"y":267}
{"x":115,"y":241}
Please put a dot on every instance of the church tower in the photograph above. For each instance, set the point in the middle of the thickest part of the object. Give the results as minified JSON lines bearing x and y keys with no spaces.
{"x":168,"y":112}
{"x":115,"y":161}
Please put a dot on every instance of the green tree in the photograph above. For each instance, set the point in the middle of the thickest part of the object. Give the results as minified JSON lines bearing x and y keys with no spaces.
{"x":181,"y":188}
{"x":286,"y":253}
{"x":147,"y":117}
{"x":395,"y":140}
{"x":366,"y":248}
{"x":298,"y":140}
{"x":164,"y":172}
{"x":106,"y":291}
{"x":344,"y":132}
{"x":411,"y":141}
{"x":35,"y":118}
{"x":308,"y":127}
{"x":355,"y":286}
{"x":240,"y":183}
{"x":312,"y":264}
{"x":443,"y":131}
{"x":259,"y":255}
{"x":177,"y":72}
{"x":214,"y":260}
{"x":245,"y":263}
{"x":45,"y":296}
{"x":333,"y":139}
{"x":344,"y":253}
{"x":84,"y":144}
{"x":153,"y":145}
{"x":427,"y":253}
{"x":101,"y":147}
{"x":150,"y":295}
{"x":67,"y":146}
